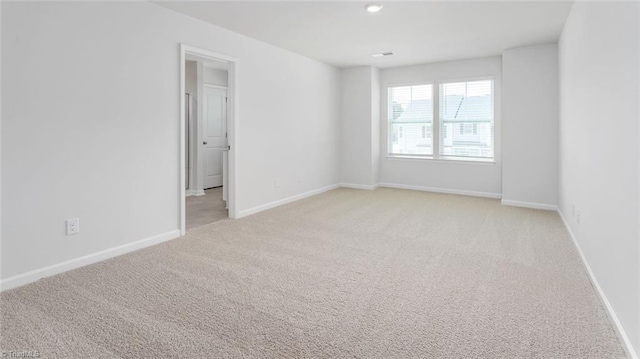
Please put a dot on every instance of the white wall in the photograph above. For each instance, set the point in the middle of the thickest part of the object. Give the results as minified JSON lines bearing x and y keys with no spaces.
{"x":530,"y":126}
{"x":216,"y":77}
{"x":465,"y":177}
{"x":359,"y":158}
{"x":599,"y":61}
{"x":104,"y":145}
{"x":375,"y":124}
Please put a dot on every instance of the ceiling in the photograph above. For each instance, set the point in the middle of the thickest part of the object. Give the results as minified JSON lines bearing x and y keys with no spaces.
{"x":343,"y":34}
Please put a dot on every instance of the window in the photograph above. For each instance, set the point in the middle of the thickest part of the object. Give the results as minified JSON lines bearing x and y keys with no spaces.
{"x":467,"y":106}
{"x":410,"y":118}
{"x":463,"y":122}
{"x":466,"y":129}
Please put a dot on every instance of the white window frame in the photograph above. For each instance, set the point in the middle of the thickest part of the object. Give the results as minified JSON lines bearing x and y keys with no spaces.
{"x":436,"y":122}
{"x":390,"y":124}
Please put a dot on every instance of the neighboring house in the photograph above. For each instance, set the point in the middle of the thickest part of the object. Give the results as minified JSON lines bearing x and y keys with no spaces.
{"x":413,"y":128}
{"x":466,"y":127}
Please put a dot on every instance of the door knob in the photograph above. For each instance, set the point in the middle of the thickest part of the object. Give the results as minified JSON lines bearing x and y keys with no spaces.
{"x":204,"y":142}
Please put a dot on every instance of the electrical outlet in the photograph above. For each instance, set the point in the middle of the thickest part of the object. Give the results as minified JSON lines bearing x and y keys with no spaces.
{"x":578,"y":217}
{"x":73,"y":226}
{"x":276,"y":183}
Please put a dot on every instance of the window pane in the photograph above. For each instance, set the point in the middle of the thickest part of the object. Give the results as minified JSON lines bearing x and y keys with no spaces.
{"x":466,"y":119}
{"x":410,"y":117}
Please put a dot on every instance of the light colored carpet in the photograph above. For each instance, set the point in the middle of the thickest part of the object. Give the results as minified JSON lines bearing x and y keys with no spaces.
{"x":201,"y":210}
{"x":348,"y":273}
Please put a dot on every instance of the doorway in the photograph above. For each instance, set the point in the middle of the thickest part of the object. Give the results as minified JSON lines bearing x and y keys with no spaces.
{"x":207,"y":148}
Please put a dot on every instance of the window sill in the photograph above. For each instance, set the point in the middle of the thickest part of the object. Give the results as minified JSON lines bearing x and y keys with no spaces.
{"x":460,"y":160}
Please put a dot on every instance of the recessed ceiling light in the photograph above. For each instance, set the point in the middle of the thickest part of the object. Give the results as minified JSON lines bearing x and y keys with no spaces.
{"x":373,"y":7}
{"x":383,"y":54}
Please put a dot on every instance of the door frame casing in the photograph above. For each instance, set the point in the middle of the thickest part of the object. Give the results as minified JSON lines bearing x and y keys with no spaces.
{"x":232,"y":127}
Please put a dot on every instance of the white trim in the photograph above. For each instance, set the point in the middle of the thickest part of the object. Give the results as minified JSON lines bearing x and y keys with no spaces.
{"x":232,"y":139}
{"x":443,"y":159}
{"x":359,"y":186}
{"x":199,"y":192}
{"x":232,"y":127}
{"x":280,"y":202}
{"x":207,"y":54}
{"x":546,"y":207}
{"x":390,"y":109}
{"x":34,"y":275}
{"x":435,"y":122}
{"x":622,"y":335}
{"x":441,"y":190}
{"x":183,"y":129}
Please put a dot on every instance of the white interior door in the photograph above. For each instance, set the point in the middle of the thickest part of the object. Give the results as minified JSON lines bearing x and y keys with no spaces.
{"x":215,"y":134}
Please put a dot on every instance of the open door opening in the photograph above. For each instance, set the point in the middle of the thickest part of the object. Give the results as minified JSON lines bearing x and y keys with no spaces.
{"x":207,"y":167}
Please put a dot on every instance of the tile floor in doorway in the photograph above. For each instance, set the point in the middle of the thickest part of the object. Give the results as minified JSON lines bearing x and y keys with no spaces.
{"x":205,"y":209}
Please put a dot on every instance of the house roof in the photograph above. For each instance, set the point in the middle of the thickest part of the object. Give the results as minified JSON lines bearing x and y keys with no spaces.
{"x":456,"y":108}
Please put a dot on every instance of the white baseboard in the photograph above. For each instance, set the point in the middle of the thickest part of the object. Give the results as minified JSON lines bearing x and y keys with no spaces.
{"x":280,"y":202}
{"x":34,"y":275}
{"x":359,"y":186}
{"x":441,"y":190}
{"x":190,"y":192}
{"x":628,"y":348}
{"x":547,"y":207}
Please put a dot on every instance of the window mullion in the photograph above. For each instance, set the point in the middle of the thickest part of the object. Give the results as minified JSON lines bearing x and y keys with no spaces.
{"x":436,"y":120}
